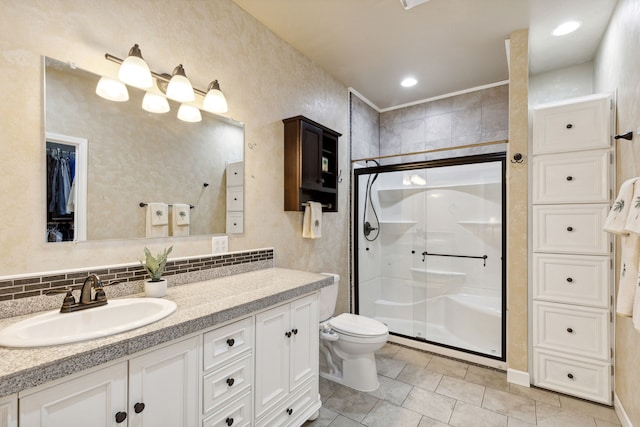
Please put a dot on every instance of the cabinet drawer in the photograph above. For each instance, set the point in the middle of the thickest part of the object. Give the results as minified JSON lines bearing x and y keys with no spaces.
{"x":575,"y":229}
{"x":235,"y":200}
{"x":572,"y":329}
{"x":577,"y":126}
{"x":226,"y":382}
{"x":238,"y":413}
{"x":235,"y":223}
{"x":580,"y":377}
{"x":235,"y":173}
{"x":222,"y":344}
{"x":294,"y":411}
{"x":574,"y":177}
{"x":572,"y":279}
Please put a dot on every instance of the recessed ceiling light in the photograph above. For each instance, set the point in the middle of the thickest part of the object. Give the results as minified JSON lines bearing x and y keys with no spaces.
{"x":408,"y":82}
{"x":566,"y":28}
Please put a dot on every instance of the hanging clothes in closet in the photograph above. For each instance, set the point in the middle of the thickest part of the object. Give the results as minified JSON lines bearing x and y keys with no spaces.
{"x":60,"y":192}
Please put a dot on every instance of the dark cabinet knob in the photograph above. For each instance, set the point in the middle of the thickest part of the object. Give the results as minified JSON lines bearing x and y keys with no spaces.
{"x":230,"y":381}
{"x":287,"y":334}
{"x":138,"y":407}
{"x":570,"y":376}
{"x":569,"y":126}
{"x":231,"y":341}
{"x":569,"y":279}
{"x":569,"y":228}
{"x":295,"y":331}
{"x":570,"y":330}
{"x":120,"y":417}
{"x":229,"y":421}
{"x":569,"y":178}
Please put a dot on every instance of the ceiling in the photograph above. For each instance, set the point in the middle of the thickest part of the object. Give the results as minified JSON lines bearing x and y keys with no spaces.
{"x":447,"y":45}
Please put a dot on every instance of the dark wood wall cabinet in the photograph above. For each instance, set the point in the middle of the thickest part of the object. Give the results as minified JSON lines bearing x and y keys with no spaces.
{"x":310,"y":164}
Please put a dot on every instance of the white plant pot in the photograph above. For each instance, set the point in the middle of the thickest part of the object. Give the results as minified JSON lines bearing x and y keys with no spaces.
{"x":155,"y":289}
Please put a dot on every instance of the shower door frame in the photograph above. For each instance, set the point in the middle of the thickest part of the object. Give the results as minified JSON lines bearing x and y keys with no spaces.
{"x":428,"y":164}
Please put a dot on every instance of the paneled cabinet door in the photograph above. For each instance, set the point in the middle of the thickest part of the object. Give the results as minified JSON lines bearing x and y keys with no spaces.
{"x":272,"y":357}
{"x":304,"y":341}
{"x":163,"y":386}
{"x":9,"y":411}
{"x":97,"y":400}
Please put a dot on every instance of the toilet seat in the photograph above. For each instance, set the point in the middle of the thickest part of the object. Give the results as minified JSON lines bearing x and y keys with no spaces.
{"x":358,"y":326}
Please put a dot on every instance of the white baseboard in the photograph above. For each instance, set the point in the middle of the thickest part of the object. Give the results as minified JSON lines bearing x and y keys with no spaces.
{"x":518,"y":377}
{"x":620,"y":412}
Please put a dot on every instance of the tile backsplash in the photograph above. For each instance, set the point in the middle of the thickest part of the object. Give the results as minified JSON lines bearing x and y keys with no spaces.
{"x":126,"y":279}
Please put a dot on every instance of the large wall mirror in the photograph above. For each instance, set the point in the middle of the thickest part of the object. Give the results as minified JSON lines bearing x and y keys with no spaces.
{"x":118,"y":155}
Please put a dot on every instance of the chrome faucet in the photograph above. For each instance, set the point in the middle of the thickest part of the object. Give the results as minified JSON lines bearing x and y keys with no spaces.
{"x":91,"y":282}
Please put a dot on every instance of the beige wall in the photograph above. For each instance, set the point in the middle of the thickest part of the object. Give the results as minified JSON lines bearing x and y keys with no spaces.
{"x":517,"y":190}
{"x":264,"y":79}
{"x":617,"y":67}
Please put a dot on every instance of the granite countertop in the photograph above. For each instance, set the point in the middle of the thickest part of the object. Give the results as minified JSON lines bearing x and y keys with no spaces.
{"x":200,"y":305}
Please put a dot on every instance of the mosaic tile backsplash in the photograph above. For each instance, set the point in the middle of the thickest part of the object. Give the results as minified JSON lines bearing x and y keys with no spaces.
{"x":177,"y":272}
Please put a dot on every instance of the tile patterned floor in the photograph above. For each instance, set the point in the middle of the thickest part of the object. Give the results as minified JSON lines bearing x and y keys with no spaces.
{"x":420,"y":389}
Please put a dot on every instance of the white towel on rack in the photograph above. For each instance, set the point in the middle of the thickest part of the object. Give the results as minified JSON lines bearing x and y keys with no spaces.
{"x":312,"y":221}
{"x":180,"y":219}
{"x":157,"y":220}
{"x":617,"y":219}
{"x":632,"y":224}
{"x":629,"y":255}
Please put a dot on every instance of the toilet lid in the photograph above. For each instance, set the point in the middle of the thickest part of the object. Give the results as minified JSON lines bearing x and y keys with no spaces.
{"x":353,"y":324}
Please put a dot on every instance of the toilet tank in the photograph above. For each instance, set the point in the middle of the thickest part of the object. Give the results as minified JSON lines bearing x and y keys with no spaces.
{"x":328,"y":297}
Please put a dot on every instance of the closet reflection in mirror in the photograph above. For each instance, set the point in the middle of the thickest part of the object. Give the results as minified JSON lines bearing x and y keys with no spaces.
{"x":130,"y":156}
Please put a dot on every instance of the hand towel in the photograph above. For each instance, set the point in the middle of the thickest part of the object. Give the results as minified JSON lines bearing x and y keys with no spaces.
{"x":617,"y":218}
{"x":629,"y":255}
{"x":180,"y":219}
{"x":157,"y":220}
{"x":632,"y":224}
{"x":312,"y":221}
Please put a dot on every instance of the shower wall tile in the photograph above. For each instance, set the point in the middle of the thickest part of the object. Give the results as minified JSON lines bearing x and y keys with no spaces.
{"x":466,"y":101}
{"x":495,"y":117}
{"x":365,"y":129}
{"x":440,"y":106}
{"x":495,"y":95}
{"x":413,"y":112}
{"x":466,"y":122}
{"x":413,"y":132}
{"x":438,"y":127}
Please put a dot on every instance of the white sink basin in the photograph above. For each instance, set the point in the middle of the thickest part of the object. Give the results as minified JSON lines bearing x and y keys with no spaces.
{"x":55,"y":328}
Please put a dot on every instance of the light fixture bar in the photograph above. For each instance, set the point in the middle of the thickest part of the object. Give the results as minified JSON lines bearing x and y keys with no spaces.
{"x":163,"y":77}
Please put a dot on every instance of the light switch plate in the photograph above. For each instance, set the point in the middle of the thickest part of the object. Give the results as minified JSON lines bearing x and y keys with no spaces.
{"x":220,"y":244}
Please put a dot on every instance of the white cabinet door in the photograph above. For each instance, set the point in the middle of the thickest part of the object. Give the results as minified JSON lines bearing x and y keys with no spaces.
{"x":304,"y":341}
{"x":273,"y":340}
{"x":91,"y":400}
{"x":163,"y":386}
{"x":9,"y":411}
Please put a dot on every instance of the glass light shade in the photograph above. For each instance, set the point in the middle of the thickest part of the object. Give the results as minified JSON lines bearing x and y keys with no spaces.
{"x":179,"y":87}
{"x":566,"y":28}
{"x":154,"y":103}
{"x":189,"y":113}
{"x":135,"y":72}
{"x":111,"y":89}
{"x":214,"y":101}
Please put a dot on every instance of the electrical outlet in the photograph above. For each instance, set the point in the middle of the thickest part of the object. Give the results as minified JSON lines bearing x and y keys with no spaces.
{"x":220,"y":244}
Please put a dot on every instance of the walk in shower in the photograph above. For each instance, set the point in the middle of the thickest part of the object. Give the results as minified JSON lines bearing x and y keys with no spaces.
{"x":429,"y":247}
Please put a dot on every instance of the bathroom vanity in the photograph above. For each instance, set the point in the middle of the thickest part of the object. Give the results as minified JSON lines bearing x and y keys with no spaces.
{"x":240,"y":350}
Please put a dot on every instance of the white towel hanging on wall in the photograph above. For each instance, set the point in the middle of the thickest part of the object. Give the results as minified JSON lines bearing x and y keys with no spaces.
{"x":180,"y":219}
{"x":312,"y":221}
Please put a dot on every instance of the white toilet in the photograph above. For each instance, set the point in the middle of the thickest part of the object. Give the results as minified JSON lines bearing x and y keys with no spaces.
{"x":347,"y":343}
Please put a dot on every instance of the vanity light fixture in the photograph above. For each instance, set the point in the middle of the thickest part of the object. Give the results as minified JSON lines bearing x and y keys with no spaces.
{"x":134,"y":70}
{"x":175,"y":86}
{"x":179,"y":87}
{"x":189,"y":113}
{"x":214,"y":101}
{"x":155,"y":103}
{"x":112,"y":89}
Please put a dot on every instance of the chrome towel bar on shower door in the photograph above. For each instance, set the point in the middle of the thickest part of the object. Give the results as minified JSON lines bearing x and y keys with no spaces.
{"x":483,"y":257}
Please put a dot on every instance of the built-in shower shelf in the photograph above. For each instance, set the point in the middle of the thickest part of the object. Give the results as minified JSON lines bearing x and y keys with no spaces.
{"x":398,"y":304}
{"x":440,"y":275}
{"x":480,"y":222}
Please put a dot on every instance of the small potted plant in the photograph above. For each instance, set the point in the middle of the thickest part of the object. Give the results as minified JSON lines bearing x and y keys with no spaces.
{"x":157,"y":286}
